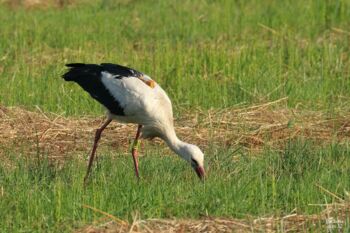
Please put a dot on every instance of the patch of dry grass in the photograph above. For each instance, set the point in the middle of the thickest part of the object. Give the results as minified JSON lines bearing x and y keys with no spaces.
{"x":332,"y":218}
{"x":250,"y":127}
{"x":34,"y":4}
{"x":44,"y":4}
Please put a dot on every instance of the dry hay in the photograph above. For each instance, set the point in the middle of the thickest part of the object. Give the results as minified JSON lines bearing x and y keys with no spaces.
{"x":57,"y":4}
{"x":35,"y":4}
{"x":332,"y":219}
{"x":56,"y":134}
{"x":267,"y":125}
{"x":252,"y":128}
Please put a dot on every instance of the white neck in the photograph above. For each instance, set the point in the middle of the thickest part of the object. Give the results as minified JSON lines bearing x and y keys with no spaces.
{"x":176,"y":144}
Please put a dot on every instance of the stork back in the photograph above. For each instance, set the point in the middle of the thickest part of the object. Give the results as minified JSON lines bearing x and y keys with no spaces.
{"x":88,"y":76}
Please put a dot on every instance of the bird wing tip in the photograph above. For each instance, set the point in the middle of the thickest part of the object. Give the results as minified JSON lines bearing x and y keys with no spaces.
{"x":72,"y":65}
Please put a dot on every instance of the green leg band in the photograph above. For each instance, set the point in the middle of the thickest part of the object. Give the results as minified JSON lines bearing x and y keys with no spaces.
{"x":136,"y":145}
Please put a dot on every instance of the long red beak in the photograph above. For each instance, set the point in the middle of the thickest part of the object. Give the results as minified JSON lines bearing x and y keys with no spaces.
{"x":200,"y":172}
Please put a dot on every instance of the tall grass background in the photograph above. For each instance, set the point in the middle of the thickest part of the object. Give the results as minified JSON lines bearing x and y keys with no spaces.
{"x":42,"y":197}
{"x":208,"y":54}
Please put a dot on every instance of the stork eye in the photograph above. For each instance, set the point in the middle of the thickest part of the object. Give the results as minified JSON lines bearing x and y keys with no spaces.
{"x":194,"y":163}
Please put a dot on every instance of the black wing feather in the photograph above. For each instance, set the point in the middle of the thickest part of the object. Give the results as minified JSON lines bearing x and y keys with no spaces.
{"x":120,"y":70}
{"x":75,"y":65}
{"x":88,"y":76}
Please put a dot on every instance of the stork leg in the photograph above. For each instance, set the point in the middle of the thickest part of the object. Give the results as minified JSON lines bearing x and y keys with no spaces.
{"x":134,"y":151}
{"x":92,"y":155}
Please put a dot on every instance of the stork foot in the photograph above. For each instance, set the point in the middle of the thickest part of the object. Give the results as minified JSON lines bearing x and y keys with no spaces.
{"x":93,"y":152}
{"x":134,"y":151}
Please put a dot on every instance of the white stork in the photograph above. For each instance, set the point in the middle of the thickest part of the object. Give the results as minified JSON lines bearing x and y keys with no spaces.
{"x":133,"y":97}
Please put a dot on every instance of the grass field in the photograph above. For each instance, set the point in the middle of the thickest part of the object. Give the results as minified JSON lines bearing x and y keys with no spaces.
{"x":208,"y":55}
{"x":43,"y":198}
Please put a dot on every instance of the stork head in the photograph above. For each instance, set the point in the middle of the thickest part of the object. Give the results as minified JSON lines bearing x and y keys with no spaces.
{"x":196,"y":158}
{"x":191,"y":153}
